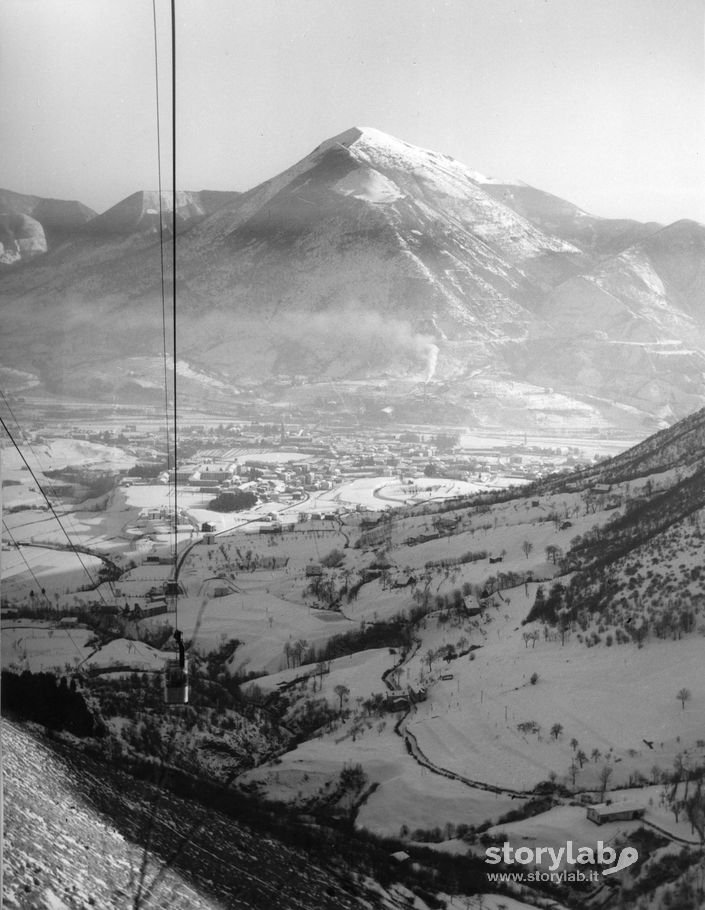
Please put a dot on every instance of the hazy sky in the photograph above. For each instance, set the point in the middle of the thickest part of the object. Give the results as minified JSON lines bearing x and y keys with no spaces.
{"x":599,"y":101}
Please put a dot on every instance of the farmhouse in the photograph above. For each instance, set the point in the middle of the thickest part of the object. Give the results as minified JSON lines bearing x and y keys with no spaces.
{"x":446,"y":525}
{"x":274,"y":528}
{"x":152,"y":608}
{"x":472,"y":607}
{"x":598,"y":489}
{"x":396,"y":701}
{"x":403,"y":580}
{"x":612,"y":812}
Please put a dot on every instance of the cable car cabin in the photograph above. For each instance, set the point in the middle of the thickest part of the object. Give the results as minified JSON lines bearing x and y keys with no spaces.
{"x":176,"y":682}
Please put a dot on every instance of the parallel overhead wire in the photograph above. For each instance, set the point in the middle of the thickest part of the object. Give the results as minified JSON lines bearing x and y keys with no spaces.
{"x":36,"y":457}
{"x":171,"y":438}
{"x":161,"y":239}
{"x":18,"y":548}
{"x":173,"y":314}
{"x":52,"y":509}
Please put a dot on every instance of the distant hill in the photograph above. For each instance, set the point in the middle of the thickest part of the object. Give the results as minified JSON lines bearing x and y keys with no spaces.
{"x":30,"y":225}
{"x":141,"y":211}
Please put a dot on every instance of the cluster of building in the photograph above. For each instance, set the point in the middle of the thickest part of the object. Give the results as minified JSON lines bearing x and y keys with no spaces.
{"x":327,"y":459}
{"x":219,"y":457}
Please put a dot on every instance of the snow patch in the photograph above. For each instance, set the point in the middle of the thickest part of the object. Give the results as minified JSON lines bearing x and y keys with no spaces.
{"x":495,"y":181}
{"x":369,"y":185}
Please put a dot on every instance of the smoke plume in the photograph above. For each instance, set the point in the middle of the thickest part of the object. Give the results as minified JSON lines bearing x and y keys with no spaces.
{"x":431,"y":360}
{"x":372,"y":337}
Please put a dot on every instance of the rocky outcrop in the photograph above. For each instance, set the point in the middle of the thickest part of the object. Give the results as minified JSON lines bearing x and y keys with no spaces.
{"x":21,"y":237}
{"x":31,"y":225}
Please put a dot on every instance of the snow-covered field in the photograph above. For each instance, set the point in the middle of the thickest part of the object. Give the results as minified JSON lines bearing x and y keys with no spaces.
{"x":30,"y":568}
{"x":609,"y":699}
{"x":39,"y":646}
{"x":408,"y":794}
{"x":263,"y":623}
{"x":360,"y":672}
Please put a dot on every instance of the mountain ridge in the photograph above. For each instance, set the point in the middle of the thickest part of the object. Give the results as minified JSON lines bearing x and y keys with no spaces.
{"x":367,"y":254}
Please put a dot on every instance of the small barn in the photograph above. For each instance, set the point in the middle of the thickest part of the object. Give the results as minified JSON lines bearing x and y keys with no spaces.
{"x":614,"y":812}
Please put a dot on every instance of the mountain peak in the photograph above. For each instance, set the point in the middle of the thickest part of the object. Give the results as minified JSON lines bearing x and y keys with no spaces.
{"x":365,"y":135}
{"x":374,"y":142}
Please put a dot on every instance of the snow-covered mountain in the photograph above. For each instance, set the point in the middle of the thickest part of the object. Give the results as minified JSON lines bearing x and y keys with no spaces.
{"x":141,"y":211}
{"x":374,"y":260}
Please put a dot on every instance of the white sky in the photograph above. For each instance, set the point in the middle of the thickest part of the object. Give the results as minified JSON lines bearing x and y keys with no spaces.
{"x":598,"y":101}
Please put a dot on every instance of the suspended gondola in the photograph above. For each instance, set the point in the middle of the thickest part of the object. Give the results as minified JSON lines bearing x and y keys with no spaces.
{"x":176,"y":675}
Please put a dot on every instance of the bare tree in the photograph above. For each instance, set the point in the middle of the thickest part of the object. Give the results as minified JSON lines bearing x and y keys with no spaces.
{"x":353,"y":781}
{"x":695,"y":810}
{"x":527,"y":547}
{"x":605,"y":774}
{"x":553,"y":553}
{"x":342,"y":692}
{"x":321,"y":669}
{"x":683,"y":695}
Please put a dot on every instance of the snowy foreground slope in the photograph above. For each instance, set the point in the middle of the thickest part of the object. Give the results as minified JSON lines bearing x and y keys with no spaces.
{"x":78,"y":835}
